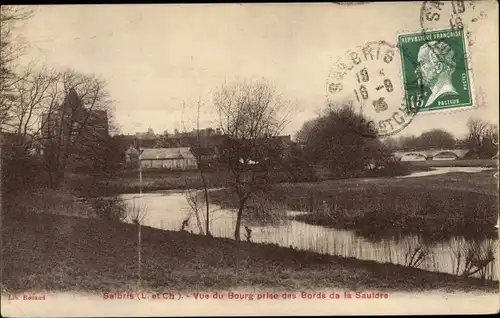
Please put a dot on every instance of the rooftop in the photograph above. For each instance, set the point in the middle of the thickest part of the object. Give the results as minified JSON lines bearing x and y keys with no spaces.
{"x":166,"y":153}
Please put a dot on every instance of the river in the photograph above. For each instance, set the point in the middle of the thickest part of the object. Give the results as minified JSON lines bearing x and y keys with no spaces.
{"x":168,"y":209}
{"x":444,"y":170}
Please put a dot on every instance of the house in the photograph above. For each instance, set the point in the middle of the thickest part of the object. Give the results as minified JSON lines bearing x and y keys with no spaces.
{"x":71,"y":115}
{"x":204,"y":154}
{"x":168,"y":158}
{"x":206,"y":157}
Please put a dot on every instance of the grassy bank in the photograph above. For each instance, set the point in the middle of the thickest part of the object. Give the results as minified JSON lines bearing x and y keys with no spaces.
{"x":456,"y":203}
{"x":62,"y":253}
{"x":152,"y":180}
{"x":127,"y":181}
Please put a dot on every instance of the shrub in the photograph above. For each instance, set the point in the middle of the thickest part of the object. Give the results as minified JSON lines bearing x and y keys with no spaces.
{"x":391,"y":169}
{"x":20,"y":171}
{"x":110,"y":209}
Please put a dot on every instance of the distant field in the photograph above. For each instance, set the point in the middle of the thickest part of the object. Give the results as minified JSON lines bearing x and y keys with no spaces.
{"x":456,"y":163}
{"x":152,"y":180}
{"x":128,"y":181}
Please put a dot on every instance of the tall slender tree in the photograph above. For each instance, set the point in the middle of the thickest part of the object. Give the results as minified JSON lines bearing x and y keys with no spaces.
{"x":251,"y":115}
{"x":11,"y":48}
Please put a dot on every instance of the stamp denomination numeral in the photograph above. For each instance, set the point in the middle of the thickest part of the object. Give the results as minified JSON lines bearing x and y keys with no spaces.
{"x":416,"y":101}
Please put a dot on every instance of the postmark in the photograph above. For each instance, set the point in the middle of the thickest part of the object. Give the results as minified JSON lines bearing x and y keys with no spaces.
{"x":370,"y":78}
{"x":437,"y":60}
{"x":457,"y":14}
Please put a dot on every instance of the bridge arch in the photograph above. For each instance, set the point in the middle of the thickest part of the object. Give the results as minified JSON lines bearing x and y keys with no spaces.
{"x":445,"y":154}
{"x":412,"y":155}
{"x":430,"y":153}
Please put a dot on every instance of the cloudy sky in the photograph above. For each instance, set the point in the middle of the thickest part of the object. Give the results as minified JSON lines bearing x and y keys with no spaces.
{"x":155,"y":58}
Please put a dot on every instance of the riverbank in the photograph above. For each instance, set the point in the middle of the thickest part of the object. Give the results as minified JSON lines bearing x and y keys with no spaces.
{"x":159,"y":179}
{"x":449,"y":204}
{"x":486,"y":163}
{"x":62,"y":253}
{"x":127,"y":181}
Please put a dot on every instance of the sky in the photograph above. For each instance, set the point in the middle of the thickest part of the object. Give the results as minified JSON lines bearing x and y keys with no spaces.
{"x":157,"y":58}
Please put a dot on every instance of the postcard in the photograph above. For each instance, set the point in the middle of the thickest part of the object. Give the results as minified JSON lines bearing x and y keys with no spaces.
{"x":249,"y":159}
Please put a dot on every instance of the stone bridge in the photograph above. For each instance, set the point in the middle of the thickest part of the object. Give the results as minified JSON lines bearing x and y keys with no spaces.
{"x":430,"y":153}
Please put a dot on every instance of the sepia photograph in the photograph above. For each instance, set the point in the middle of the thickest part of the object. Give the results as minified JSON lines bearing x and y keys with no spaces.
{"x":249,"y":159}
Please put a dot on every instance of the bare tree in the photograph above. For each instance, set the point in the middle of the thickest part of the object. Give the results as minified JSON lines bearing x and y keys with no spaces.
{"x":482,"y":137}
{"x":492,"y":136}
{"x":477,"y":128}
{"x":35,"y":93}
{"x":195,"y":205}
{"x":75,"y":123}
{"x":251,"y":115}
{"x":32,"y":96}
{"x":202,"y":165}
{"x":11,"y":48}
{"x":64,"y":114}
{"x":492,"y":132}
{"x":191,"y":194}
{"x":193,"y":198}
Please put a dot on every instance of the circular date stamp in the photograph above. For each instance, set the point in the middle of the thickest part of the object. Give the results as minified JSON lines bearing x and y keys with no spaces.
{"x":369,"y":78}
{"x":455,"y":15}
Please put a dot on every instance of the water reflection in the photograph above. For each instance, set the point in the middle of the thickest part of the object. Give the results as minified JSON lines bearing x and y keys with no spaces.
{"x":168,"y":210}
{"x":443,"y":170}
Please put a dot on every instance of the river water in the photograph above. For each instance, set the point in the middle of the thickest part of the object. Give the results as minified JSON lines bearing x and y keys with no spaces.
{"x":168,"y":209}
{"x":443,"y":170}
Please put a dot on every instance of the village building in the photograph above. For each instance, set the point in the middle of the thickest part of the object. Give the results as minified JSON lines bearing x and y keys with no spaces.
{"x":72,"y":123}
{"x":168,"y":158}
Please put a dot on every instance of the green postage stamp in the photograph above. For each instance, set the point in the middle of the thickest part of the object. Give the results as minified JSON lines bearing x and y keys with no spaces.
{"x":435,"y":70}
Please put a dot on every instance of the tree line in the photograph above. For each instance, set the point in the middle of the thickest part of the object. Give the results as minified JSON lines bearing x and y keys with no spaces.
{"x":63,"y":115}
{"x":481,"y":139}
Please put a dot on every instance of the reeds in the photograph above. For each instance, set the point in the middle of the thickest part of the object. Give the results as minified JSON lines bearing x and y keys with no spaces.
{"x":472,"y":257}
{"x":419,"y":251}
{"x":415,"y":253}
{"x":135,"y":213}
